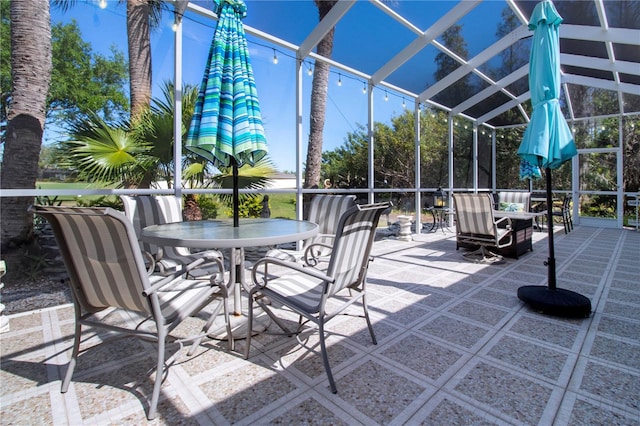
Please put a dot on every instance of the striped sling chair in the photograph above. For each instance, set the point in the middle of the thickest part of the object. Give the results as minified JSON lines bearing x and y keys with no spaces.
{"x":107,"y":273}
{"x":318,"y":295}
{"x":325,"y":211}
{"x":145,"y":210}
{"x":476,"y":225}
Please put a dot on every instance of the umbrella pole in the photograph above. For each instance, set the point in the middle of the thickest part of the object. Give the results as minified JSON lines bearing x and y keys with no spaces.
{"x":551,"y":260}
{"x":549,"y":299}
{"x":236,"y":195}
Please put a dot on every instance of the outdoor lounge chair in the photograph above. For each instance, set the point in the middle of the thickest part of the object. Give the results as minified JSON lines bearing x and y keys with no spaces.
{"x":107,"y":273}
{"x":475,"y":225}
{"x":315,"y":294}
{"x":146,"y":210}
{"x":325,"y":211}
{"x":513,"y":201}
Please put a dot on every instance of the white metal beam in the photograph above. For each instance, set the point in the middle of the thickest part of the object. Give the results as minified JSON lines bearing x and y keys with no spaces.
{"x":504,"y":107}
{"x":497,"y":86}
{"x":329,"y":21}
{"x":599,"y":83}
{"x":453,"y":16}
{"x":588,"y":62}
{"x":613,"y":35}
{"x":475,"y":62}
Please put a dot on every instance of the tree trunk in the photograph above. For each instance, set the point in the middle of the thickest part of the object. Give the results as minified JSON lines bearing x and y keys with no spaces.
{"x":318,"y":103}
{"x":139,"y":43}
{"x":31,"y":66}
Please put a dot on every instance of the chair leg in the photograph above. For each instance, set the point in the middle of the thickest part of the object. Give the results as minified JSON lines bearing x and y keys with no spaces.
{"x":74,"y":357}
{"x":325,"y":358}
{"x":247,"y":348}
{"x":366,"y":316}
{"x":153,"y":404}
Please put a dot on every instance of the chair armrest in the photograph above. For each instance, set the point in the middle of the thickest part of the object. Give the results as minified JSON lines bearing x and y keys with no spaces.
{"x":169,"y":278}
{"x":307,"y":270}
{"x":502,"y":219}
{"x":310,"y":258}
{"x":152,"y":261}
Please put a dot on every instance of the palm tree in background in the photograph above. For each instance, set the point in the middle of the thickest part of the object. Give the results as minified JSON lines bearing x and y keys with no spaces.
{"x":142,"y":17}
{"x":140,"y":153}
{"x":31,"y":65}
{"x":318,"y":101}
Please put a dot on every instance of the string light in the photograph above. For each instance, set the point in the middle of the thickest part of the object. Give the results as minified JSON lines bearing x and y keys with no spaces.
{"x":103,"y":4}
{"x":174,"y":27}
{"x":339,"y":79}
{"x":364,"y":87}
{"x":310,"y":71}
{"x":386,"y":96}
{"x":275,"y":57}
{"x":404,"y":104}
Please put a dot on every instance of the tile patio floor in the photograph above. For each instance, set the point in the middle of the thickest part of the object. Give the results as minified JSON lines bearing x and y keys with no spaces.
{"x":455,"y":347}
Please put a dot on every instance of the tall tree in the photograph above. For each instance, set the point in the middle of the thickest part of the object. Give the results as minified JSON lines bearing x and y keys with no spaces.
{"x":142,"y":17}
{"x":30,"y":74}
{"x":461,"y":89}
{"x":319,"y":88}
{"x":83,"y":81}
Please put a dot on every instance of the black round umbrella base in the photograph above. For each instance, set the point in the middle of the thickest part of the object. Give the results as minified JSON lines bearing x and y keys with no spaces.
{"x":559,"y":302}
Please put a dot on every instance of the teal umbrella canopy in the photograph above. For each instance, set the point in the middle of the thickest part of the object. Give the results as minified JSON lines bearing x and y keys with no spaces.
{"x":226,"y":127}
{"x":547,"y":141}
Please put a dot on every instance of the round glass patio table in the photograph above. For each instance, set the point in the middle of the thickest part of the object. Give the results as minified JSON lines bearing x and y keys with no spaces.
{"x":220,"y":233}
{"x":207,"y":234}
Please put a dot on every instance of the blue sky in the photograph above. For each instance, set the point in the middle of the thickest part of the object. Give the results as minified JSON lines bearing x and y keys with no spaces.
{"x":347,"y":105}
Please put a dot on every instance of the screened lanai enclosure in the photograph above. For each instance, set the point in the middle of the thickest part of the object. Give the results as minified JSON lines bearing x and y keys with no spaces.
{"x":421,"y":95}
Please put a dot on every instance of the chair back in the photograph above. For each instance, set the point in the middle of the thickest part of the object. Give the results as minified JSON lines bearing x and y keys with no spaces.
{"x":514,"y":201}
{"x":326,"y":211}
{"x":101,"y":253}
{"x":352,"y":246}
{"x":474,"y":214}
{"x":146,"y":210}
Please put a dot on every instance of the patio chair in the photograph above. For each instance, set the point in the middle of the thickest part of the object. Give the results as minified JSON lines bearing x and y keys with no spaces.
{"x":107,"y":272}
{"x":475,"y":225}
{"x":514,"y":201}
{"x":146,"y":210}
{"x":564,"y":212}
{"x":318,"y":295}
{"x":325,"y":211}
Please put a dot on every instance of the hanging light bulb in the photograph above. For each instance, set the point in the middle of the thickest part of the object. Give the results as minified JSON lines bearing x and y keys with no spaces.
{"x":386,"y":96}
{"x":174,"y":27}
{"x":310,"y":71}
{"x":102,"y":4}
{"x":364,"y":87}
{"x":275,"y":57}
{"x":404,"y":104}
{"x":339,"y":80}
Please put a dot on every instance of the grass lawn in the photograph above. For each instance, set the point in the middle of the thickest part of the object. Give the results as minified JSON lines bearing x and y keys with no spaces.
{"x":283,"y":205}
{"x":70,"y":200}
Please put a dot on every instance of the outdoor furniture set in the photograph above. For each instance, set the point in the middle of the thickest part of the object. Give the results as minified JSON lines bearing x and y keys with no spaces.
{"x":114,"y":276}
{"x":494,"y":233}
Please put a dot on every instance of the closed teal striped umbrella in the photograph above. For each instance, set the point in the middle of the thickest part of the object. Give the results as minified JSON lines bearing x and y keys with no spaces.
{"x":226,"y":127}
{"x":548,"y":143}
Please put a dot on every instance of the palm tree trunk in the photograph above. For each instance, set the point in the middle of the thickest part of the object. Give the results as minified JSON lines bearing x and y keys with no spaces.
{"x":318,"y":102}
{"x":139,"y":43}
{"x":31,"y":66}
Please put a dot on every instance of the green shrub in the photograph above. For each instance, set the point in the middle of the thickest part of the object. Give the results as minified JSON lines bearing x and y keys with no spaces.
{"x":250,"y":207}
{"x":208,"y":206}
